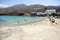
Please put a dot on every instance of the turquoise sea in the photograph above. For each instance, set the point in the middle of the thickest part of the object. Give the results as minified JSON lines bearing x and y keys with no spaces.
{"x":14,"y":20}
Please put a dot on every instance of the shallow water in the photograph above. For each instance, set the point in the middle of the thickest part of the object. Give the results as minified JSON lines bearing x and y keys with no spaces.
{"x":14,"y":20}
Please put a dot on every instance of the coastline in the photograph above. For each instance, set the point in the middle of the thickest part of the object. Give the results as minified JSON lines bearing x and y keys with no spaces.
{"x":26,"y":23}
{"x":41,"y":30}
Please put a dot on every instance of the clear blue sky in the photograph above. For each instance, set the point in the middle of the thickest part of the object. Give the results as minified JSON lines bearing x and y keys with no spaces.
{"x":28,"y":2}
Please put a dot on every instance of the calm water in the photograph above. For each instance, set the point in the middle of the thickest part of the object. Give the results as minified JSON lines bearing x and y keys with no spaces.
{"x":14,"y":20}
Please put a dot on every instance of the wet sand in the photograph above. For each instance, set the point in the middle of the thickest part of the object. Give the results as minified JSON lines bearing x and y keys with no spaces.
{"x":42,"y":30}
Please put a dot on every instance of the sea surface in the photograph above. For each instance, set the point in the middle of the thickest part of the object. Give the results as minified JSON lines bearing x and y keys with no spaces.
{"x":14,"y":20}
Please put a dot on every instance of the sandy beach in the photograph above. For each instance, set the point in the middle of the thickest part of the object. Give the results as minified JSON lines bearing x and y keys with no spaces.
{"x":42,"y":30}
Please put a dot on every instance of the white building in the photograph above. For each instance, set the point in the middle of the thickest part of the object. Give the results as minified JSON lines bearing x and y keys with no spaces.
{"x":40,"y":13}
{"x":50,"y":11}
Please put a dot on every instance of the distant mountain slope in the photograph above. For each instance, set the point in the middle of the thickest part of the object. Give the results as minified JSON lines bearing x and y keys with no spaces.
{"x":51,"y":7}
{"x":22,"y":7}
{"x":37,"y":6}
{"x":1,"y":8}
{"x":19,"y":6}
{"x":58,"y":8}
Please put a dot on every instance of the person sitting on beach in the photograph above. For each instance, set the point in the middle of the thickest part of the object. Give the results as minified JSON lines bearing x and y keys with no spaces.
{"x":52,"y":19}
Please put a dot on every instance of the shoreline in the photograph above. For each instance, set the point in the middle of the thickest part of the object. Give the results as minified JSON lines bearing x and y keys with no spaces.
{"x":45,"y":22}
{"x":27,"y":23}
{"x":41,"y":30}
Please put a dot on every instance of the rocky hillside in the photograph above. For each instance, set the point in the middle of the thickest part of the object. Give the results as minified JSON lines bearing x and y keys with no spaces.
{"x":19,"y":8}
